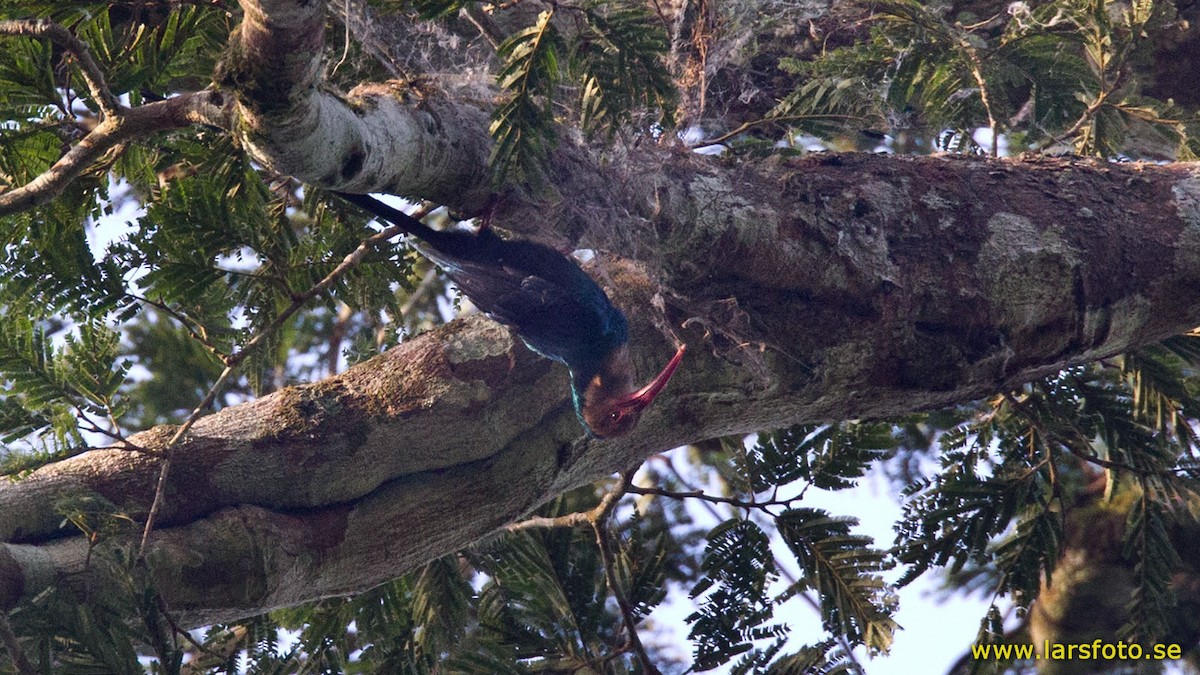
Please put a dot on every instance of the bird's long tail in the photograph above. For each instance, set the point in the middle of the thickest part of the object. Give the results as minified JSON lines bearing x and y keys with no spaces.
{"x":393,"y":215}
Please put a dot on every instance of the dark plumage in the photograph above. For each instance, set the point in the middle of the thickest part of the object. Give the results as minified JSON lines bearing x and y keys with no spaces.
{"x":552,"y":304}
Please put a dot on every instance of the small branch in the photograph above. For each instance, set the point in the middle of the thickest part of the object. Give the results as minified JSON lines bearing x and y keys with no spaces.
{"x":604,"y":509}
{"x":599,"y":520}
{"x":984,"y":96}
{"x":487,"y":28}
{"x":699,"y":494}
{"x":228,"y":645}
{"x":92,"y":75}
{"x":421,"y":289}
{"x":600,"y":513}
{"x":13,"y":647}
{"x":195,"y":329}
{"x":204,"y":107}
{"x":165,"y":469}
{"x":746,"y":126}
{"x":709,"y":500}
{"x":1084,"y":118}
{"x":569,"y":520}
{"x":1106,"y":88}
{"x":1071,"y":444}
{"x":345,"y":39}
{"x":178,"y":630}
{"x":662,"y":17}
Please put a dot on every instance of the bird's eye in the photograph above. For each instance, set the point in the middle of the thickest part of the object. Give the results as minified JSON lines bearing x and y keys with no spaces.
{"x":614,"y":415}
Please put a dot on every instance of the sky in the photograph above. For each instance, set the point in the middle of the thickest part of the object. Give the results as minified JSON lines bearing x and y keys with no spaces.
{"x":934,"y":634}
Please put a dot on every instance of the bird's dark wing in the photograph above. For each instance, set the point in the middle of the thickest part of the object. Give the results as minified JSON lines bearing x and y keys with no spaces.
{"x":551,"y":303}
{"x":554,"y":306}
{"x":565,"y":318}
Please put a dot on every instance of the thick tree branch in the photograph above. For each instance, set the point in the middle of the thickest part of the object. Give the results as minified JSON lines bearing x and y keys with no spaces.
{"x":822,"y":289}
{"x":380,"y":138}
{"x":234,"y":360}
{"x":202,"y":107}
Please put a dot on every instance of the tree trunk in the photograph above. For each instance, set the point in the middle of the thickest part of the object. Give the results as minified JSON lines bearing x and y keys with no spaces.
{"x":826,"y":288}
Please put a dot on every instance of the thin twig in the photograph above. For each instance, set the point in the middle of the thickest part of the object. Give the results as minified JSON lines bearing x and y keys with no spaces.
{"x":420,"y":290}
{"x":13,"y":646}
{"x":1106,"y":88}
{"x":230,"y":644}
{"x":203,"y":107}
{"x":984,"y":96}
{"x":194,"y":328}
{"x":166,"y":615}
{"x":1069,"y":443}
{"x":700,"y":494}
{"x":165,"y":468}
{"x":484,"y":24}
{"x":599,"y":521}
{"x":536,"y":522}
{"x":746,"y":126}
{"x":345,"y":39}
{"x":92,"y":75}
{"x":1084,"y":118}
{"x":662,"y":17}
{"x":786,"y":574}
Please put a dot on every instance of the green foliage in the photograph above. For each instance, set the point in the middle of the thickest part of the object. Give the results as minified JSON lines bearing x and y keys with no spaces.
{"x":1149,"y":545}
{"x":215,"y":259}
{"x":1022,"y":474}
{"x":104,"y":628}
{"x":616,"y":61}
{"x":951,"y":519}
{"x":738,"y":566}
{"x":441,"y":603}
{"x":158,"y":345}
{"x":820,"y":659}
{"x":53,"y":269}
{"x":523,"y":125}
{"x":223,"y":249}
{"x":52,"y":390}
{"x":844,"y":571}
{"x":619,"y":62}
{"x":149,"y":50}
{"x":1056,"y":74}
{"x":156,"y":52}
{"x":829,"y":457}
{"x":832,"y":96}
{"x":544,"y":604}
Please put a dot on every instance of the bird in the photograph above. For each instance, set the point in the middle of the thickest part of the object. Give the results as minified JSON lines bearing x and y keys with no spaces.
{"x":552,"y":304}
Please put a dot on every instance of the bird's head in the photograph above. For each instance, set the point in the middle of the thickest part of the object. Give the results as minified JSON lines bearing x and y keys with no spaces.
{"x":608,"y":405}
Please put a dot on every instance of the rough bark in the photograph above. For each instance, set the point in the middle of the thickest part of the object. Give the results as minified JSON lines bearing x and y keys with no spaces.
{"x":819,"y":289}
{"x":384,"y":138}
